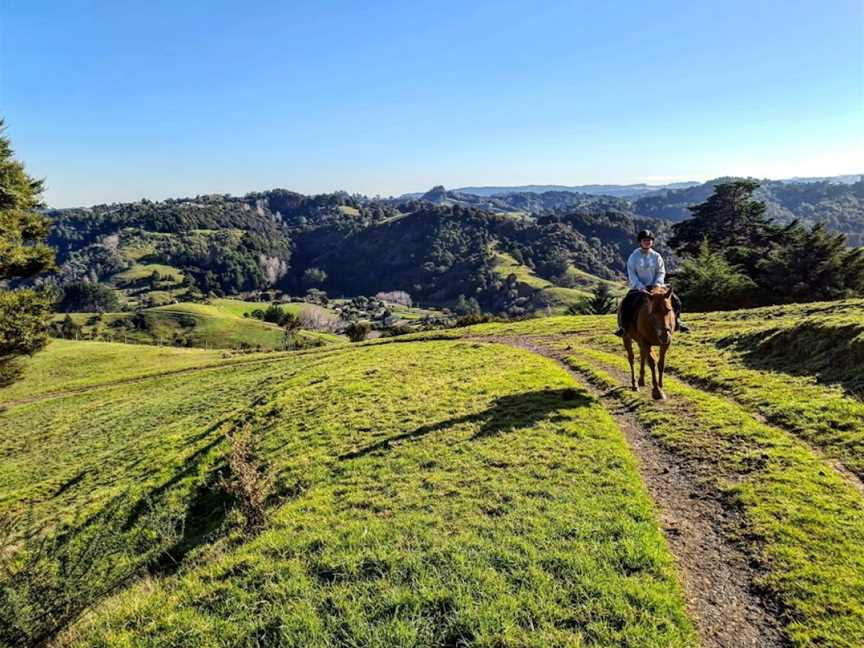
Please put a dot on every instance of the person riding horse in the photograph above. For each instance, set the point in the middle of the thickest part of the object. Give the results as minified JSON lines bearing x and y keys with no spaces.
{"x":645,"y":270}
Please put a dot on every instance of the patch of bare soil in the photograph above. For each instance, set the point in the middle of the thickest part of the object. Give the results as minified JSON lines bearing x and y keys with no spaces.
{"x":717,"y":576}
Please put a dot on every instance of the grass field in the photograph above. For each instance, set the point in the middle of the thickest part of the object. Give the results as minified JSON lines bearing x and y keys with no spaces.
{"x":439,"y":489}
{"x":219,"y":324}
{"x":141,"y":271}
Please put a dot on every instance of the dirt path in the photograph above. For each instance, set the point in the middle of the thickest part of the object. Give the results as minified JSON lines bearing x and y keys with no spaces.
{"x":716,"y":575}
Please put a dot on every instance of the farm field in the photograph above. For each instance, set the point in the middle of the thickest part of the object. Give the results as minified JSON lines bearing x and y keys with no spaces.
{"x":493,"y":486}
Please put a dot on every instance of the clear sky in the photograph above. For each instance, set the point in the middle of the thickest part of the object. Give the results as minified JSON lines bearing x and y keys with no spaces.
{"x":115,"y":101}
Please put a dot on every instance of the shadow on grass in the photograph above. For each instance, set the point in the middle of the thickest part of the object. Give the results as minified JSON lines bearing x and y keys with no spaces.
{"x":507,"y":414}
{"x":833,"y":354}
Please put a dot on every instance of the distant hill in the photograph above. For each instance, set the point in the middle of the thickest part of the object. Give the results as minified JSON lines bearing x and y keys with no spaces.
{"x":630,"y":191}
{"x":443,"y":247}
{"x":618,"y":191}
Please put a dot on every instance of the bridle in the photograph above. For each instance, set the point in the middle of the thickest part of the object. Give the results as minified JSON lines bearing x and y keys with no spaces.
{"x":660,"y":327}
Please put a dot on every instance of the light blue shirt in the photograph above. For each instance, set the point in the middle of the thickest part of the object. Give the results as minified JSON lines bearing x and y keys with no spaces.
{"x":645,"y":269}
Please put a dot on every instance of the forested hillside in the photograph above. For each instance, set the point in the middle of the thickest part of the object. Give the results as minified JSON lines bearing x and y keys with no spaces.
{"x":839,"y":206}
{"x":442,"y":247}
{"x":347,"y":245}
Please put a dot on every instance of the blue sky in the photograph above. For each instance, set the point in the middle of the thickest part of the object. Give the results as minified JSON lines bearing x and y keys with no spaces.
{"x":115,"y":101}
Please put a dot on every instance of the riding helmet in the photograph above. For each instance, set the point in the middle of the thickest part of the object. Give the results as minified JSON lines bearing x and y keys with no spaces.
{"x":645,"y":234}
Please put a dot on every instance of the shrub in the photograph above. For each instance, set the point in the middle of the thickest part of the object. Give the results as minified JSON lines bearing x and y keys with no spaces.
{"x":474,"y":318}
{"x":86,"y":297}
{"x":709,"y":282}
{"x":357,"y":331}
{"x":600,"y":302}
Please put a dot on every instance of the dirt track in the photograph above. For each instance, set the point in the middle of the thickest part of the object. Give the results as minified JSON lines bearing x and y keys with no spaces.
{"x":718,"y":577}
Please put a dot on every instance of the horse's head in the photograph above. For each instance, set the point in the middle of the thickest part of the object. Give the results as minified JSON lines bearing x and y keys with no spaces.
{"x":661,"y":313}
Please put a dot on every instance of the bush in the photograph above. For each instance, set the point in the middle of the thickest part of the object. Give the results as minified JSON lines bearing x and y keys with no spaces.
{"x":357,"y":331}
{"x":85,"y":297}
{"x":600,"y":302}
{"x":709,"y":282}
{"x":474,"y":318}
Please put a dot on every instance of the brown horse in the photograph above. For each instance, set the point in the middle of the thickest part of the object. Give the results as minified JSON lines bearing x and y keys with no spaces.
{"x":653,"y":326}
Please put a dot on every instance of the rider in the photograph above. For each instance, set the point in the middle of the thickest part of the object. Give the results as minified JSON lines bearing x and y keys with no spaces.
{"x":645,"y":270}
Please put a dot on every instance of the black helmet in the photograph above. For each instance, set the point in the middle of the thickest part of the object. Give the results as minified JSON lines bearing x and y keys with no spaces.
{"x":645,"y":234}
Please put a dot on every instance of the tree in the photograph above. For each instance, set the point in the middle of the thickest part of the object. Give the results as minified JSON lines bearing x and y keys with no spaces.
{"x":731,"y":221}
{"x":708,"y":281}
{"x":86,"y":297}
{"x":290,"y":324}
{"x":357,"y":331}
{"x":314,"y":277}
{"x":468,"y":306}
{"x":811,"y":265}
{"x":69,"y":329}
{"x":23,"y":254}
{"x":274,"y":314}
{"x":600,"y":302}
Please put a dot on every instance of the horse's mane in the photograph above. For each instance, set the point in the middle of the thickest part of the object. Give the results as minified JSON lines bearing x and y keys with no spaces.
{"x":658,"y":290}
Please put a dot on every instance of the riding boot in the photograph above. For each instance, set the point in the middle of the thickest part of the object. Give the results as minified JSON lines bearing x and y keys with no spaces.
{"x":620,"y":330}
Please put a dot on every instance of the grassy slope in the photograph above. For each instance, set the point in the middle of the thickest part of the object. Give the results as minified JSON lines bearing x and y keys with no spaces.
{"x":68,"y":365}
{"x":407,"y":520}
{"x":144,"y":271}
{"x":506,"y":511}
{"x":803,"y":520}
{"x":219,"y":324}
{"x":561,"y":298}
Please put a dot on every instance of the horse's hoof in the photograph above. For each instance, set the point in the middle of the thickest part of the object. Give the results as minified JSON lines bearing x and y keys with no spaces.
{"x":634,"y":388}
{"x":658,"y":395}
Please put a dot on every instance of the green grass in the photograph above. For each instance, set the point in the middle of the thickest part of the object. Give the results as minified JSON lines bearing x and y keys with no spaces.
{"x":141,"y":271}
{"x":434,"y":490}
{"x":219,"y":324}
{"x":505,"y":511}
{"x":69,"y":365}
{"x":560,"y":297}
{"x":803,"y":521}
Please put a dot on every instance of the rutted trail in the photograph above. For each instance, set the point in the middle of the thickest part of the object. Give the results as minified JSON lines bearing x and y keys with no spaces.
{"x":717,"y":576}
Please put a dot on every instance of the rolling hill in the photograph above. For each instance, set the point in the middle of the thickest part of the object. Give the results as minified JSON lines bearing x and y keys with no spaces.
{"x":491,"y":485}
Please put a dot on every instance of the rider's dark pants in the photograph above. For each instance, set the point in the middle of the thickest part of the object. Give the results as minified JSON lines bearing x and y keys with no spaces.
{"x":633,"y":300}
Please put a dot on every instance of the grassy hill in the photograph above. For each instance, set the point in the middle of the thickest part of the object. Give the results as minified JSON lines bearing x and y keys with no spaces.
{"x":218,"y":324}
{"x":492,"y":485}
{"x":560,"y":297}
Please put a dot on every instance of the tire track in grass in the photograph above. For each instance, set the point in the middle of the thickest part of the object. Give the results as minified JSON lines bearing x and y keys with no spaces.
{"x":717,"y":576}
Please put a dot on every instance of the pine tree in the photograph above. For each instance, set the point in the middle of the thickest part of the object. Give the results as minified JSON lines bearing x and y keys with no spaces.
{"x":600,"y":302}
{"x":23,"y":254}
{"x":708,"y":281}
{"x":811,"y":265}
{"x":730,"y":221}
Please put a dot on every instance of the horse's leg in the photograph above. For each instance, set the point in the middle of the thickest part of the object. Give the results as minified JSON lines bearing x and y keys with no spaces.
{"x":643,"y":351}
{"x":661,"y":366}
{"x":655,"y":390}
{"x":628,"y":344}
